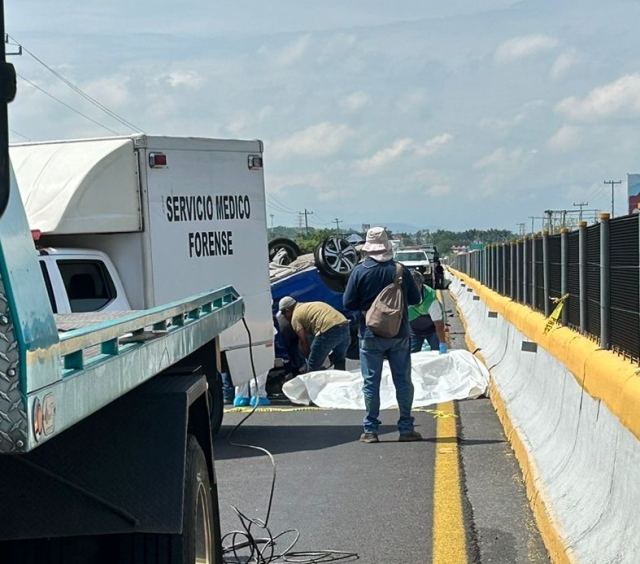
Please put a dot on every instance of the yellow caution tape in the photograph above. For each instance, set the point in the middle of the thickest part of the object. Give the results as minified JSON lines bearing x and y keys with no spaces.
{"x":437,"y":413}
{"x":553,"y":319}
{"x":270,"y":409}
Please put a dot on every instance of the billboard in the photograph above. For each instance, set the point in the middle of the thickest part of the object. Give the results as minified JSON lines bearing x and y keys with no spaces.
{"x":633,"y":191}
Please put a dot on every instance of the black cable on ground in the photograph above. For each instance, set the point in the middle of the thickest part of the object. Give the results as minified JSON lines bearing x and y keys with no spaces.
{"x":255,"y":543}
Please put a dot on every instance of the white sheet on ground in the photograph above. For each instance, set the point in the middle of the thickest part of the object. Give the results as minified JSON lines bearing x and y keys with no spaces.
{"x":436,"y":378}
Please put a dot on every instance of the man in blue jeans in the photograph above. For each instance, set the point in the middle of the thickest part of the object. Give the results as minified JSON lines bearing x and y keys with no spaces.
{"x":365,"y":283}
{"x":328,"y":327}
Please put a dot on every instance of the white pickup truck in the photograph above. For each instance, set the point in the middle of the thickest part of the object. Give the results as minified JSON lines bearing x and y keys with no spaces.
{"x":131,"y":223}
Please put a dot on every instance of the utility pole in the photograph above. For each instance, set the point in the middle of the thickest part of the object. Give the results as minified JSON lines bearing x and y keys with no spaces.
{"x":581,"y":205}
{"x":306,"y":214}
{"x":613,"y":183}
{"x":521,"y":226}
{"x":338,"y":222}
{"x":271,"y":215}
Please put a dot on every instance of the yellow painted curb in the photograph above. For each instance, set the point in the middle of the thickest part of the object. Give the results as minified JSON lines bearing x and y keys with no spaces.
{"x":602,"y":374}
{"x":449,"y":537}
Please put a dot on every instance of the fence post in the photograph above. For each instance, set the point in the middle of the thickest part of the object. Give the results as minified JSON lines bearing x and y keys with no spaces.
{"x":503,"y":248}
{"x":484,"y":266}
{"x":534,"y":271}
{"x":564,"y":271}
{"x":512,"y":274}
{"x":545,"y":272}
{"x":525,"y":256}
{"x":605,"y":280}
{"x":518,"y":258}
{"x":582,"y":266}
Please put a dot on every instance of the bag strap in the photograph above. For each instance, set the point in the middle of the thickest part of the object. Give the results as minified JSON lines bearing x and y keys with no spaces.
{"x":398,"y":277}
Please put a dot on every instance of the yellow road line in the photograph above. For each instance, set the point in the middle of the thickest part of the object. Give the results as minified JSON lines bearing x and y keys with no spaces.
{"x":449,"y":538}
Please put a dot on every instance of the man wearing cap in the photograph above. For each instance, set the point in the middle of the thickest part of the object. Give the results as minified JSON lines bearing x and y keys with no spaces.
{"x":328,"y":327}
{"x":366,"y":281}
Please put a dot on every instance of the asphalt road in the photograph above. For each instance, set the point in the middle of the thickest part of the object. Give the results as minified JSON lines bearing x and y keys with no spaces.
{"x":376,"y":500}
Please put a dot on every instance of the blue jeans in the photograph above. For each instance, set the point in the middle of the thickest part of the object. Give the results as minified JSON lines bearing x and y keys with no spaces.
{"x":336,"y":339}
{"x":228,"y":391}
{"x":373,"y":351}
{"x":431,"y":338}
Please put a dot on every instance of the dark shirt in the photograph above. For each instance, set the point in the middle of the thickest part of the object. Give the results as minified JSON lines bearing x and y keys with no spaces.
{"x":365,"y":283}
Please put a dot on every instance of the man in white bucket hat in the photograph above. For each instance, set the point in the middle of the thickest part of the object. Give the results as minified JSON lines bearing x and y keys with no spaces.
{"x":367,"y":280}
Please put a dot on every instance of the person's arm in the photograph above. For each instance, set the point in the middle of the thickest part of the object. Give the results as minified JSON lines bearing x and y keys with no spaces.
{"x":350,"y":298}
{"x":414,"y":296}
{"x":435,"y":312}
{"x":304,"y":342}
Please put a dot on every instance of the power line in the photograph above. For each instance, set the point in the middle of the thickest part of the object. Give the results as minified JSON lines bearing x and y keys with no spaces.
{"x":279,"y":207}
{"x":77,"y":89}
{"x":281,"y":204}
{"x":19,"y":134}
{"x":65,"y":104}
{"x":581,"y":205}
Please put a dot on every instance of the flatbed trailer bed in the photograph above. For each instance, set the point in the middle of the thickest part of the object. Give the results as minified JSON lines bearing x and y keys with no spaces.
{"x":104,"y":357}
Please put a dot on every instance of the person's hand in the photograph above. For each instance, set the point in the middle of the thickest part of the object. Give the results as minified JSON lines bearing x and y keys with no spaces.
{"x":443,"y":348}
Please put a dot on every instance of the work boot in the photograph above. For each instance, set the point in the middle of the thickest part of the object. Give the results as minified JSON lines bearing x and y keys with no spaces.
{"x":369,"y":438}
{"x":409,"y":437}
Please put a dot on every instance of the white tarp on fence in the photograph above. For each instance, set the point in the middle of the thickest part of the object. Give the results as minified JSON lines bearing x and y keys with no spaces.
{"x":436,"y":378}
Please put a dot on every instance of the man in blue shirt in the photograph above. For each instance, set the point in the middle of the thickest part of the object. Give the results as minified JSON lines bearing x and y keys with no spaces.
{"x":365,"y":283}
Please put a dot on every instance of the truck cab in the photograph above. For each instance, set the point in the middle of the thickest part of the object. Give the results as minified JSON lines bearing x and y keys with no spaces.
{"x":81,"y":280}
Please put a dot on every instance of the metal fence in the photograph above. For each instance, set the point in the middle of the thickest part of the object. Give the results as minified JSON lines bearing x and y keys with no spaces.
{"x":597,"y":266}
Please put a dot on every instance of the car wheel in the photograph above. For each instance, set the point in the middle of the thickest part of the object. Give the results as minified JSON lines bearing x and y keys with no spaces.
{"x":335,"y":258}
{"x":288,"y":245}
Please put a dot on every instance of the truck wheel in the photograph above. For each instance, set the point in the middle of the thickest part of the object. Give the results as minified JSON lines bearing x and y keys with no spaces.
{"x":200,"y":538}
{"x":200,"y":541}
{"x":216,"y":403}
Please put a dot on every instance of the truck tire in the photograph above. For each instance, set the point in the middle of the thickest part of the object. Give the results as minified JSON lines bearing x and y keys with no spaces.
{"x":200,"y":540}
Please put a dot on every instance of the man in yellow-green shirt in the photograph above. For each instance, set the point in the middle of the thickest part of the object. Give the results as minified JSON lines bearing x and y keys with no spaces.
{"x":329,"y":328}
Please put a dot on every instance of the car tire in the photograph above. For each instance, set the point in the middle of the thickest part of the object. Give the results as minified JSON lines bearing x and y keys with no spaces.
{"x":289,"y":245}
{"x":335,"y":258}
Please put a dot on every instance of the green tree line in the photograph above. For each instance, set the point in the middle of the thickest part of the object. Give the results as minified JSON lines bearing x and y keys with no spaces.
{"x":443,"y":239}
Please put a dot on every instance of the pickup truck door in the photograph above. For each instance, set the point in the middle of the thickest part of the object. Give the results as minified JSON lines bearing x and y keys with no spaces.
{"x":83,"y":283}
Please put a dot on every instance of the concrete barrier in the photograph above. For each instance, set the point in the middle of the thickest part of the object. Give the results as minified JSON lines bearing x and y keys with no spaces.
{"x":572,"y":414}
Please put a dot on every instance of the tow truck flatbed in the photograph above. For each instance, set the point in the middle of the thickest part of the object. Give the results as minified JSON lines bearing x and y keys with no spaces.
{"x":98,"y":363}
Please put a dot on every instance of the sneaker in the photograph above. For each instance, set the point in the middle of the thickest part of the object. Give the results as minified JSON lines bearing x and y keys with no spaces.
{"x":240,"y":402}
{"x":260,"y":401}
{"x":369,"y":438}
{"x":410,"y":436}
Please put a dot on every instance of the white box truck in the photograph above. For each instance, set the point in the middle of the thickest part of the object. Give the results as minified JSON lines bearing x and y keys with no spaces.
{"x":140,"y":221}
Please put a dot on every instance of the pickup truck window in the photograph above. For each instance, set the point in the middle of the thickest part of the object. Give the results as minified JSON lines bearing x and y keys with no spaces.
{"x":88,"y":284}
{"x":47,"y":283}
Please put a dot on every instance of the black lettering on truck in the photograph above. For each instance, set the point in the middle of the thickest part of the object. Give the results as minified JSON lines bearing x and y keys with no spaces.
{"x":190,"y":208}
{"x":210,"y":243}
{"x":233,"y":207}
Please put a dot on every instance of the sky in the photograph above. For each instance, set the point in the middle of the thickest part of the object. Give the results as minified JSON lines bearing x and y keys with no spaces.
{"x":438,"y":115}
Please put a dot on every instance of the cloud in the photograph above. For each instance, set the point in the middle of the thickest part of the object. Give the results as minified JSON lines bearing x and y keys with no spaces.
{"x":563,"y":63}
{"x":500,"y":159}
{"x":289,"y":54}
{"x":506,"y":123}
{"x":524,"y":46}
{"x":190,"y":79}
{"x":323,"y":139}
{"x":356,"y":101}
{"x":618,"y":99}
{"x":432,"y":145}
{"x":566,"y":138}
{"x":386,"y":156}
{"x":438,"y":190}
